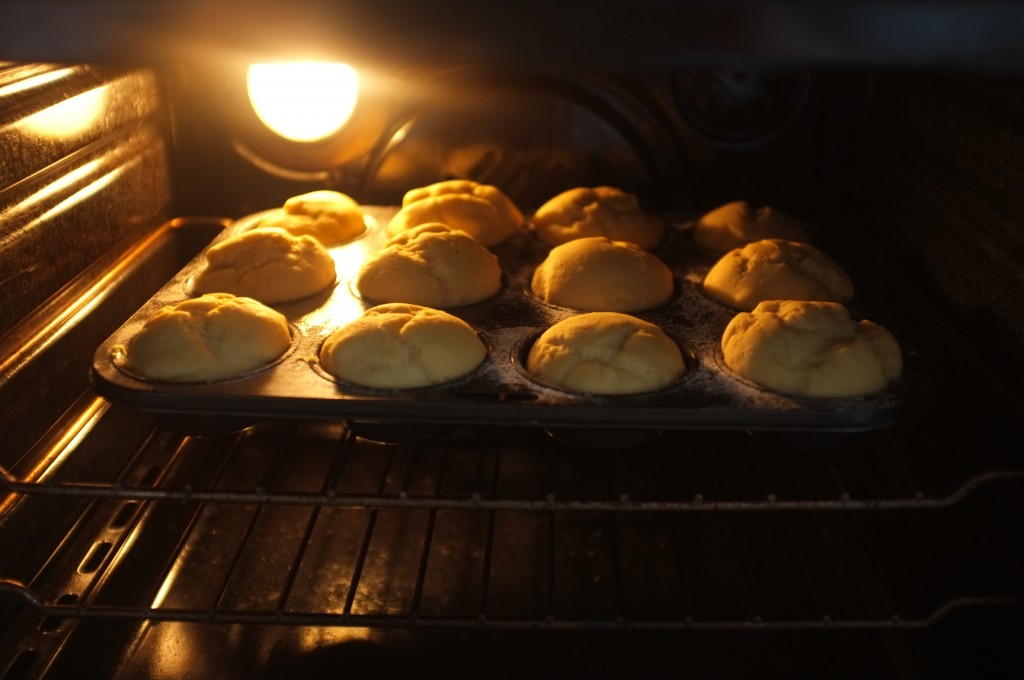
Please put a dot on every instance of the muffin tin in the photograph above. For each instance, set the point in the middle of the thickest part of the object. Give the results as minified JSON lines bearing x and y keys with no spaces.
{"x":708,"y":396}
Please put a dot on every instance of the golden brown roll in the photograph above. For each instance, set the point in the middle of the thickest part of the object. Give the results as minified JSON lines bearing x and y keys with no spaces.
{"x":213,"y":337}
{"x":481,"y":210}
{"x":267,"y":264}
{"x":605,"y":353}
{"x":401,"y":346}
{"x":331,"y":217}
{"x":736,"y":224}
{"x":812,"y":349}
{"x":432,"y":265}
{"x":598,"y":211}
{"x":774,"y":269}
{"x":596,"y":274}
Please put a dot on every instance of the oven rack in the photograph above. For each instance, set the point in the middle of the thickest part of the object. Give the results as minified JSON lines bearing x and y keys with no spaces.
{"x":304,"y":523}
{"x":71,"y":609}
{"x":669,"y":471}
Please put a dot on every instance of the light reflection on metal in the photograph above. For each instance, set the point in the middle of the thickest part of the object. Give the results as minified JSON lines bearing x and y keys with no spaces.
{"x":69,"y":117}
{"x":61,"y":185}
{"x":58,"y":452}
{"x":82,"y":194}
{"x":348,"y":260}
{"x":50,"y":463}
{"x":34,"y":82}
{"x":176,"y":652}
{"x":400,"y":134}
{"x":11,"y":358}
{"x":303,"y":101}
{"x":169,"y":581}
{"x":321,"y":637}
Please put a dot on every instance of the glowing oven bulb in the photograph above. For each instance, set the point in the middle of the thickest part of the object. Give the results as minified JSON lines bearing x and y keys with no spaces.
{"x":303,"y":101}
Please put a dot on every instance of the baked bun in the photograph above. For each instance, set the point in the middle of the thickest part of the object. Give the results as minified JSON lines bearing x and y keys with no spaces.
{"x":401,"y":346}
{"x":331,"y":217}
{"x":774,"y":269}
{"x":598,"y":211}
{"x":812,"y":349}
{"x":213,"y":337}
{"x":267,"y":264}
{"x":596,"y":274}
{"x":481,"y":210}
{"x":432,"y":265}
{"x":605,"y":353}
{"x":736,"y":224}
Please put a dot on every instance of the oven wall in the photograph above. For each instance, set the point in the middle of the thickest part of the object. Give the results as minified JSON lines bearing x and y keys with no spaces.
{"x":83,"y":172}
{"x":946,"y":170}
{"x":683,"y":140}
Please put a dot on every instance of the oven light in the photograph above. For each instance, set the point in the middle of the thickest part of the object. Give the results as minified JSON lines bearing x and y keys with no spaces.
{"x":303,"y":101}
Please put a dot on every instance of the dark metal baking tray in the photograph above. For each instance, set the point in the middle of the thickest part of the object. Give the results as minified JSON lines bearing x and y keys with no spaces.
{"x":708,"y":396}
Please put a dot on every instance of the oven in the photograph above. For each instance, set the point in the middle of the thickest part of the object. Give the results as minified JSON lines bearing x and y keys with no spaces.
{"x":150,"y":534}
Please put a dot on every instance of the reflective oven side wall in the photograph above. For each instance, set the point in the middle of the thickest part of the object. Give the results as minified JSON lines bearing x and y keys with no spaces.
{"x":84,"y":174}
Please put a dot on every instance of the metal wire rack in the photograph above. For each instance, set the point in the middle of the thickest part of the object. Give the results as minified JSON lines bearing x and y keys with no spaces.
{"x":305,"y":523}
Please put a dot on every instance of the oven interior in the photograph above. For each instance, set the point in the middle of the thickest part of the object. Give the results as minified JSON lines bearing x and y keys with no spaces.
{"x":301,"y":546}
